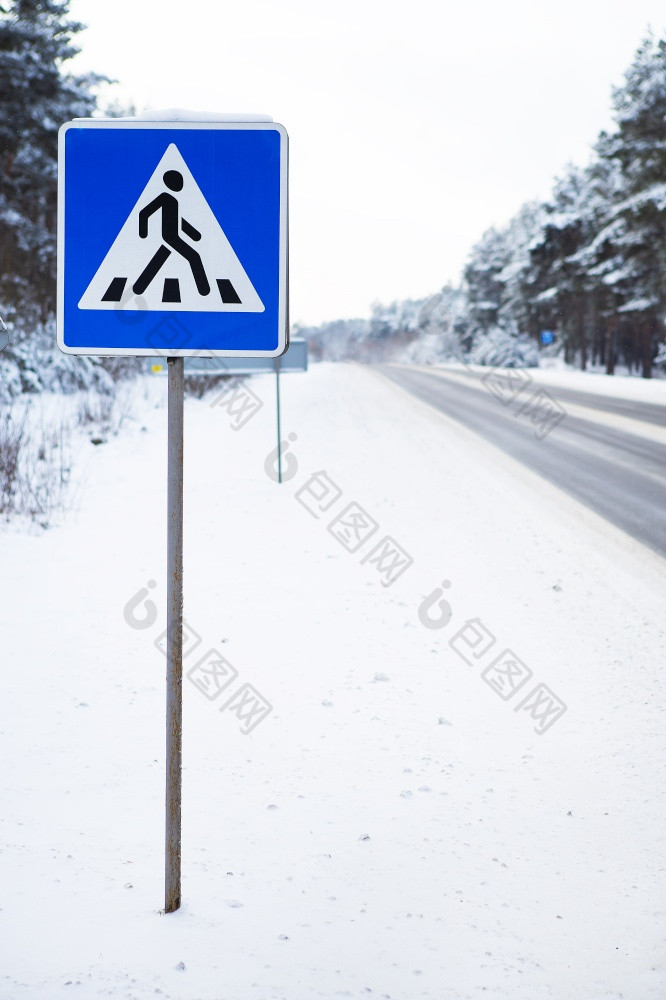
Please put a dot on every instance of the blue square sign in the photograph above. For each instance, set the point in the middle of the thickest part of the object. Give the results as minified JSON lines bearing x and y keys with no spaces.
{"x":172,"y":238}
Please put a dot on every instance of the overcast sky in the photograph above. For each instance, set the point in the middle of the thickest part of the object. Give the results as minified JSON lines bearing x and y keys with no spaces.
{"x":414,"y":126}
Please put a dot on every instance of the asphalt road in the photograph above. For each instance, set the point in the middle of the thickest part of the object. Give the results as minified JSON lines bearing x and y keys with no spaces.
{"x":618,"y":474}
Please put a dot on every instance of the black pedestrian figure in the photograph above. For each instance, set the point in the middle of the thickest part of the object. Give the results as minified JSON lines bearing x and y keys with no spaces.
{"x":171,"y":236}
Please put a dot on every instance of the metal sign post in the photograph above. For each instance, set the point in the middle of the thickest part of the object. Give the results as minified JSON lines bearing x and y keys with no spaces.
{"x":277,"y":400}
{"x":174,"y":680}
{"x":184,"y":254}
{"x":295,"y":359}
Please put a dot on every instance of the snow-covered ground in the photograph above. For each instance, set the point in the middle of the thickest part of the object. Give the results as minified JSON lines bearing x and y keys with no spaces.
{"x":633,"y":424}
{"x":646,"y":390}
{"x":391,"y":825}
{"x":551,"y":372}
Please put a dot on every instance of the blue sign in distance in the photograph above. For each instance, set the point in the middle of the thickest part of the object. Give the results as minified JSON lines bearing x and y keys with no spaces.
{"x":172,"y":238}
{"x":547,"y":336}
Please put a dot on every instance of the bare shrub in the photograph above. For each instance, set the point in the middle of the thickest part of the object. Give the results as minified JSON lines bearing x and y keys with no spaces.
{"x":12,"y":440}
{"x":106,"y":412}
{"x":35,"y":465}
{"x":122,"y":367}
{"x":46,"y":473}
{"x":95,"y":408}
{"x":198,"y":385}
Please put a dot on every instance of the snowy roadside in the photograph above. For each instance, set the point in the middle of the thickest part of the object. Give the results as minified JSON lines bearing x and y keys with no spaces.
{"x":646,"y":390}
{"x":45,"y":444}
{"x":393,"y":827}
{"x":516,"y":388}
{"x":621,"y":386}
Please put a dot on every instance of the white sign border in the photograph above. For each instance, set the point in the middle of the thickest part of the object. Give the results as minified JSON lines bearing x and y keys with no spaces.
{"x":283,"y":291}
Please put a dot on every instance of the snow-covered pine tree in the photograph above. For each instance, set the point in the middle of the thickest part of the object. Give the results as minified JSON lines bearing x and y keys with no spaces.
{"x":485,"y":289}
{"x":499,"y":282}
{"x":638,"y":146}
{"x":564,"y":286}
{"x":601,"y":261}
{"x":36,"y":97}
{"x":516,"y":278}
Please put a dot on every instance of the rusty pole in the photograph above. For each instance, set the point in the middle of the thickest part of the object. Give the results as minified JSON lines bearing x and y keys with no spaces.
{"x":174,"y":706}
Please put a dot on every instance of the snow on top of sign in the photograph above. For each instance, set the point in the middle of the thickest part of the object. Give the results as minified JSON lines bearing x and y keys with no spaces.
{"x":184,"y":115}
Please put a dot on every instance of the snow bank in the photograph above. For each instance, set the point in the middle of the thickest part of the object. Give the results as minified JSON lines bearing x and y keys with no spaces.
{"x":393,"y":827}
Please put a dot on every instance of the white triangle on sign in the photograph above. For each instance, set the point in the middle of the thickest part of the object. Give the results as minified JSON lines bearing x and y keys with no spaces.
{"x":183,"y":262}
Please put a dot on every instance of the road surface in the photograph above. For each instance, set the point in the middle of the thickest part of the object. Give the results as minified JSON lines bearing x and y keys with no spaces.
{"x":608,"y":453}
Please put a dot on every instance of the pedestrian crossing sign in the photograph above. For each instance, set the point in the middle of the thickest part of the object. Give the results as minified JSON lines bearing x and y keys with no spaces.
{"x":172,"y":238}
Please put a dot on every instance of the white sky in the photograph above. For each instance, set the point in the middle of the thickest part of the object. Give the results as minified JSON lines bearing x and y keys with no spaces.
{"x":414,"y":126}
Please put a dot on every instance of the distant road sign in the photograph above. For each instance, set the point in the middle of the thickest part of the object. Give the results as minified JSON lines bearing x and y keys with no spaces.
{"x":547,"y":336}
{"x":295,"y":359}
{"x":172,"y":238}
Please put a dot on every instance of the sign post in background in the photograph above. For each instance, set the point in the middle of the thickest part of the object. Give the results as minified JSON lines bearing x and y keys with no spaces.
{"x":295,"y":359}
